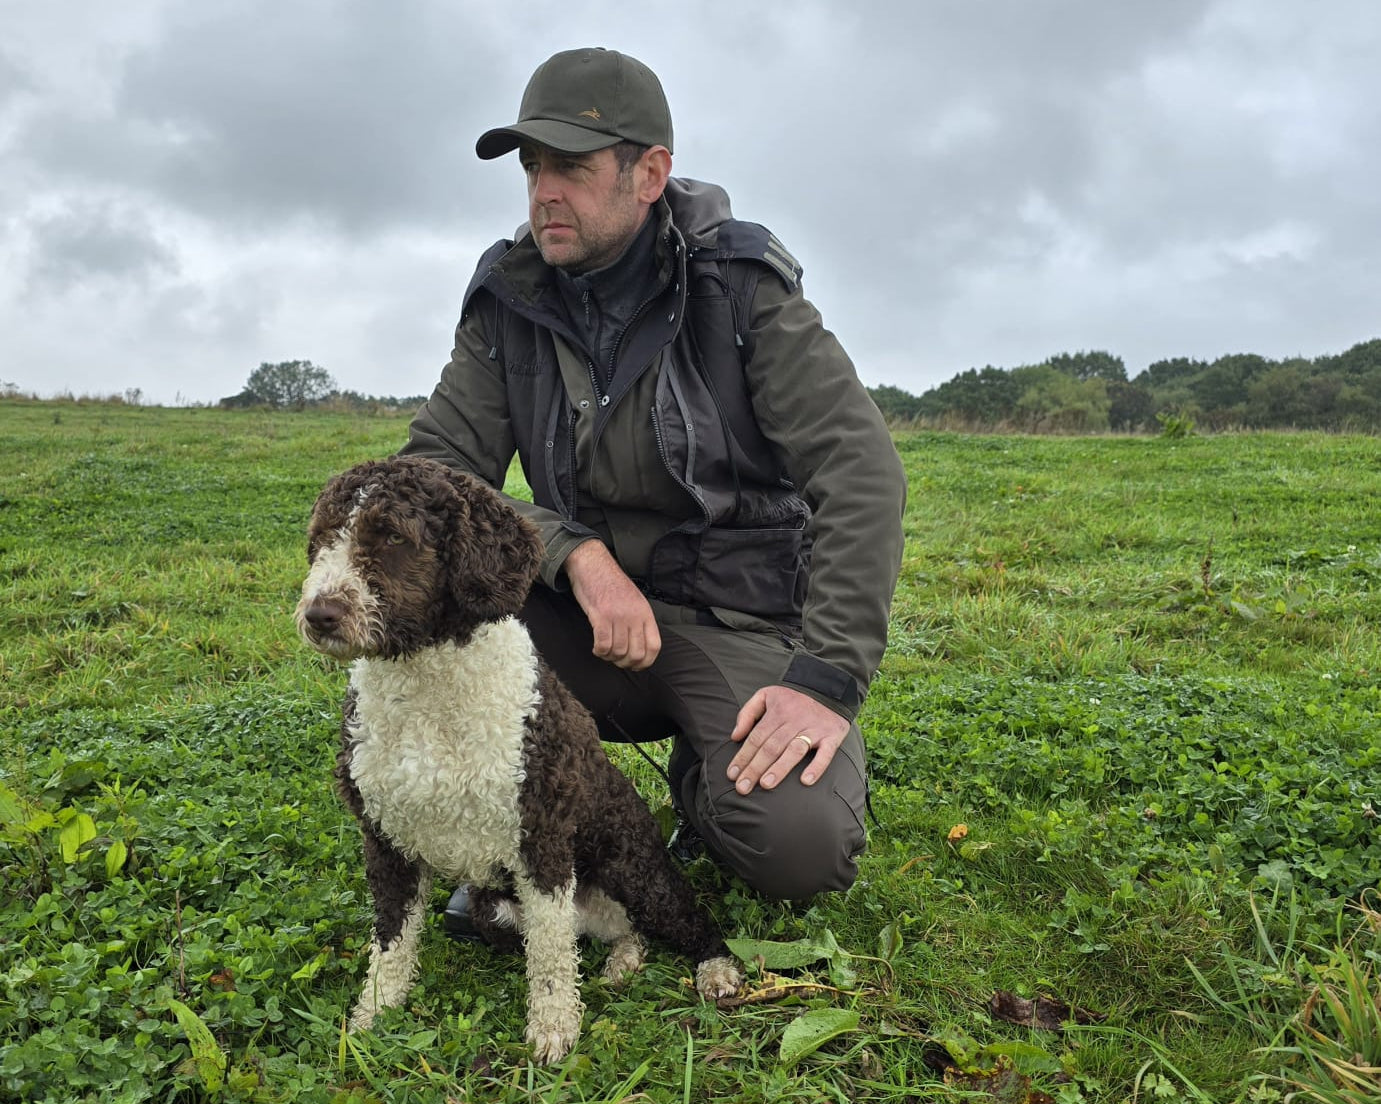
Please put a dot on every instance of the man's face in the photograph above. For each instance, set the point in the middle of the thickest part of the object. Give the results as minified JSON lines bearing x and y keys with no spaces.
{"x":582,"y":208}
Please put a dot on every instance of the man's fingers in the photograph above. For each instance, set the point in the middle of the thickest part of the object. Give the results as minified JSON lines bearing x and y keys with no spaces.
{"x":752,"y":712}
{"x":634,"y":651}
{"x":619,"y":643}
{"x":823,"y":757}
{"x":796,"y":749}
{"x":765,"y":745}
{"x":632,"y":646}
{"x":603,"y":634}
{"x":645,"y":645}
{"x":652,"y":646}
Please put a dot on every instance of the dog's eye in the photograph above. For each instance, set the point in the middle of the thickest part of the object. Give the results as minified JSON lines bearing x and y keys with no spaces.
{"x":396,"y":538}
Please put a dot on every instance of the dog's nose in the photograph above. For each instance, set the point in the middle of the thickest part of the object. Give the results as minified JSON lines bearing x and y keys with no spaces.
{"x":324,"y":615}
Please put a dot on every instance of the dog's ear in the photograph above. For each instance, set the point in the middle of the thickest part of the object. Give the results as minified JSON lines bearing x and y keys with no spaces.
{"x":333,"y":505}
{"x":494,"y":552}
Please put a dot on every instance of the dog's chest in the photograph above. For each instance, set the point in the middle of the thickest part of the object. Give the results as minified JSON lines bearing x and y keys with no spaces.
{"x":438,"y":749}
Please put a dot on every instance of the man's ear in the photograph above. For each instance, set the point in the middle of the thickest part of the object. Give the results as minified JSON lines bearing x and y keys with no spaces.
{"x":653,"y":171}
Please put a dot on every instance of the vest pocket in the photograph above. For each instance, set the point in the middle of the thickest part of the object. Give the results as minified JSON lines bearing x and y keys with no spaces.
{"x":760,"y":571}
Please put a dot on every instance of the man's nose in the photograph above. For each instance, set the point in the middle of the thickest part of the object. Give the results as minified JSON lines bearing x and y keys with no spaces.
{"x":546,"y":186}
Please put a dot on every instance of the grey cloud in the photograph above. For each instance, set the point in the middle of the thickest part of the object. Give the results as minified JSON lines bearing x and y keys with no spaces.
{"x":94,"y":242}
{"x":251,"y":115}
{"x":926,"y":145}
{"x":14,"y":80}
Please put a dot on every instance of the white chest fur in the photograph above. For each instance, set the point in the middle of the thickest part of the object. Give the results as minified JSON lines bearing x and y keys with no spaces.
{"x":438,"y":749}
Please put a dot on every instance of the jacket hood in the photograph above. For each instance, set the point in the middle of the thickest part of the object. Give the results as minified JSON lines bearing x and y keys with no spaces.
{"x":697,"y":208}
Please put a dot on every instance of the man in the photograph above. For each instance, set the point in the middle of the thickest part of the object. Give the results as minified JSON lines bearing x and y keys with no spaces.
{"x":719,"y":498}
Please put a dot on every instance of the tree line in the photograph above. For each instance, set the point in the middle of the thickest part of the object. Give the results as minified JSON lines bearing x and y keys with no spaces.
{"x":299,"y":384}
{"x":1084,"y":392}
{"x":1089,"y":392}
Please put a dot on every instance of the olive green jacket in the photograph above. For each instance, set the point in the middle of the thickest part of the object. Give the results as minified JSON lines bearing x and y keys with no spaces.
{"x":776,"y":460}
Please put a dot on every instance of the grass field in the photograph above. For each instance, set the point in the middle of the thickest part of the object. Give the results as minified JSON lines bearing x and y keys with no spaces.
{"x":1126,"y":751}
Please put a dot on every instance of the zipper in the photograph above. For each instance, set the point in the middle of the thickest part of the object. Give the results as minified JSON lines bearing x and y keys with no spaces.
{"x":678,"y":278}
{"x":553,"y":481}
{"x":666,"y":463}
{"x":575,"y":480}
{"x":613,"y":359}
{"x":698,"y":366}
{"x":600,"y":397}
{"x":618,"y":341}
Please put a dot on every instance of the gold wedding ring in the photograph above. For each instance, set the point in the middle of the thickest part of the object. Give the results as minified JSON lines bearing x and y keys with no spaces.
{"x":804,"y":739}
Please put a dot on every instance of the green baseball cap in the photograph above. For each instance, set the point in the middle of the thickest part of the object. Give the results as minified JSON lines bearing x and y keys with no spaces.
{"x":580,"y":101}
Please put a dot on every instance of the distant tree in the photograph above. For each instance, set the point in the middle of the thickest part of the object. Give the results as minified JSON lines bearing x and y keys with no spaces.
{"x":1321,"y":394}
{"x":895,"y":403}
{"x":1362,"y":359}
{"x":1094,"y":364}
{"x":1360,"y":402}
{"x":289,"y":383}
{"x":1162,"y":373}
{"x":985,"y":397}
{"x":1275,"y":398}
{"x":1054,"y":400}
{"x":1130,"y":406}
{"x":1221,"y":389}
{"x":371,"y":404}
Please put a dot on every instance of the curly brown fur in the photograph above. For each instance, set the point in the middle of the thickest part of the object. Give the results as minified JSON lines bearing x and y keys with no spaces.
{"x":440,"y":554}
{"x":579,"y":808}
{"x":462,"y":754}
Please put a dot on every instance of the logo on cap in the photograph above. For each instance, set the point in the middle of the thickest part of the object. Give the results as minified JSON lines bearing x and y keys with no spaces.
{"x":592,"y":113}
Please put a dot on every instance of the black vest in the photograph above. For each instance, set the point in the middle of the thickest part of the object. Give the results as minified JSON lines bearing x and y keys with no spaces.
{"x":748,"y":549}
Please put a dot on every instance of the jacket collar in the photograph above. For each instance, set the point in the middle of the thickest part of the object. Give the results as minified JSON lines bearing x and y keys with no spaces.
{"x":618,"y":287}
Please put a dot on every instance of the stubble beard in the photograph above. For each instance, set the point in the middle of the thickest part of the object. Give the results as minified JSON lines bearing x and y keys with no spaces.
{"x":593,"y":247}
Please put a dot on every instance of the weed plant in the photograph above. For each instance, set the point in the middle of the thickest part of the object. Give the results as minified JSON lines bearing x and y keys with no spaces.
{"x":1124,"y":748}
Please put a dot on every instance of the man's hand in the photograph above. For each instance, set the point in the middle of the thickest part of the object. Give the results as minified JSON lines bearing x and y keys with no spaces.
{"x":779,"y":727}
{"x":625,"y":631}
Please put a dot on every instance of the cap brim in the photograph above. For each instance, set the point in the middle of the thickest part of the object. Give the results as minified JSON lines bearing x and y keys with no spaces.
{"x":562,"y":137}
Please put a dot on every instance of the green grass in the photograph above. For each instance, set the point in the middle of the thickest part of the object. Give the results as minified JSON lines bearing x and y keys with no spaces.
{"x":1141,"y":672}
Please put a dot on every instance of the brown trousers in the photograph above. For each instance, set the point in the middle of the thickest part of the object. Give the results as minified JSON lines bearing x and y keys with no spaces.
{"x":790,"y":842}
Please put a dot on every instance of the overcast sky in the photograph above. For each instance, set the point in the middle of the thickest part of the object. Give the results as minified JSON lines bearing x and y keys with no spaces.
{"x":188,"y":189}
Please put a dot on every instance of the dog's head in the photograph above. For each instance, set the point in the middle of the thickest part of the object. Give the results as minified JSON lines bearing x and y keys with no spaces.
{"x":406,"y":553}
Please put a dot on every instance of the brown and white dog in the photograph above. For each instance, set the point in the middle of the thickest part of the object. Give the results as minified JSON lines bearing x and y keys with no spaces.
{"x":463,"y":756}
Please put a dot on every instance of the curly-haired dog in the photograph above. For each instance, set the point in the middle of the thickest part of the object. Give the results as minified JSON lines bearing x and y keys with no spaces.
{"x":462,"y":754}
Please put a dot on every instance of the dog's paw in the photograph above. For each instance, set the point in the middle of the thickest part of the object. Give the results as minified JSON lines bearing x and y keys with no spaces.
{"x":551,"y":1040}
{"x":625,"y":959}
{"x":361,"y":1019}
{"x":717,"y":977}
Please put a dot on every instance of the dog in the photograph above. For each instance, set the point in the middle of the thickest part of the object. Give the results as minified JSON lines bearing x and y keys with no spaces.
{"x":464,"y":757}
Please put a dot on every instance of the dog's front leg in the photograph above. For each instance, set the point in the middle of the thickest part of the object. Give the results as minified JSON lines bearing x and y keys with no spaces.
{"x":553,"y":964}
{"x":400,"y":890}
